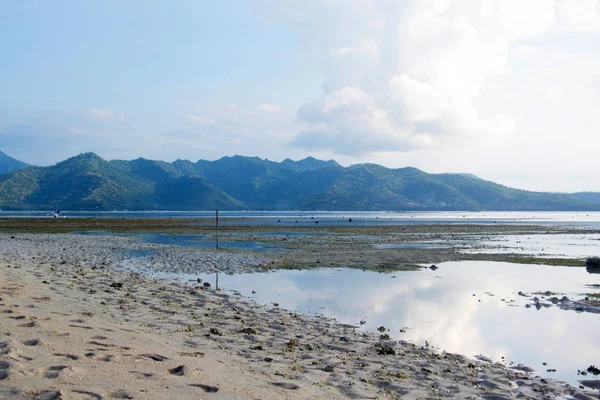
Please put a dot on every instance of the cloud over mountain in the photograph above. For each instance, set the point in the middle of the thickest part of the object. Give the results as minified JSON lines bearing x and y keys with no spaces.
{"x":406,"y":75}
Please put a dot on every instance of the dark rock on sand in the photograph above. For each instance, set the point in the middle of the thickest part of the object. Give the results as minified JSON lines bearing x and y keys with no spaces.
{"x":593,"y":370}
{"x":593,"y":262}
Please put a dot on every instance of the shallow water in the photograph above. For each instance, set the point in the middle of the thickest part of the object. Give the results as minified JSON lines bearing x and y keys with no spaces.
{"x":197,"y":241}
{"x":415,"y":245}
{"x":335,"y":218}
{"x":464,"y":307}
{"x":548,"y":245}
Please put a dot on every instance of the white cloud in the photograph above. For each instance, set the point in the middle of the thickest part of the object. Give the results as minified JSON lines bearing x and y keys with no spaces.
{"x":405,"y":75}
{"x":579,"y":15}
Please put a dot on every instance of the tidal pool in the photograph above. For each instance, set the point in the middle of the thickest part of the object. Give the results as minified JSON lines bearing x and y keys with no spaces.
{"x":470,"y":307}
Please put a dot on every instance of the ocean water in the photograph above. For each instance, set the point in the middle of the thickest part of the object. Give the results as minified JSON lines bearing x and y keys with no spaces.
{"x":328,"y":218}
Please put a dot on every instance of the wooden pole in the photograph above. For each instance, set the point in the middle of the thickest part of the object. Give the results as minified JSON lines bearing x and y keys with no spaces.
{"x":217,"y":213}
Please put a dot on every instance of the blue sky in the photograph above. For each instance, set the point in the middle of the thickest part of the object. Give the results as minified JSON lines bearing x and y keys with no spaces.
{"x":504,"y":89}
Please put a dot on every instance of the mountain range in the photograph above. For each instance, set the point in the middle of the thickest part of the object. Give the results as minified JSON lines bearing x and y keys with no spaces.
{"x":88,"y":182}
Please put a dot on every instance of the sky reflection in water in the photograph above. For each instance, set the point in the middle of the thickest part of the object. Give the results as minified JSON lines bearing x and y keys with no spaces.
{"x":440,"y":307}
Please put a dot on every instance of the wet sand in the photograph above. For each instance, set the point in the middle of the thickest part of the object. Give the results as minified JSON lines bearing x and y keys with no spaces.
{"x":76,"y":323}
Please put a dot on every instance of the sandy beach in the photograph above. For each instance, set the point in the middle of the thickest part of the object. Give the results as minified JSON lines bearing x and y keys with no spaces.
{"x":76,"y":323}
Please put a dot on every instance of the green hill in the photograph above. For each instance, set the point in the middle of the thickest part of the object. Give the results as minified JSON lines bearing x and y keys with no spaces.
{"x":87,"y":182}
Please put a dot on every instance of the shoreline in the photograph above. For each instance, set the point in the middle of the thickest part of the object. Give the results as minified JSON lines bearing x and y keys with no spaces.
{"x":258,"y":351}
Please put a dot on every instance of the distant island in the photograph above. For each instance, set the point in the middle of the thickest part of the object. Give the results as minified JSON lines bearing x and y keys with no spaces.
{"x":88,"y":182}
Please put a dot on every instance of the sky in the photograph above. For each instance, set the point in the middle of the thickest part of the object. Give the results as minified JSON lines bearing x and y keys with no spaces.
{"x":507,"y":90}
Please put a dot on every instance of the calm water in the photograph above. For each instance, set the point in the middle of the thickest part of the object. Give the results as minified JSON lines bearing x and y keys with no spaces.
{"x":303,"y":218}
{"x":560,"y":245}
{"x":465,"y":307}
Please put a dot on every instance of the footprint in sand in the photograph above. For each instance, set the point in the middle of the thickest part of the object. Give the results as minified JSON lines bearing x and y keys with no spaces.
{"x":88,"y":395}
{"x":155,"y":357}
{"x":206,"y":388}
{"x":49,"y":395}
{"x":81,"y":326}
{"x":120,"y":394}
{"x":4,"y":367}
{"x":286,"y":385}
{"x":53,"y":372}
{"x":69,"y":356}
{"x":4,"y":348}
{"x":179,"y":371}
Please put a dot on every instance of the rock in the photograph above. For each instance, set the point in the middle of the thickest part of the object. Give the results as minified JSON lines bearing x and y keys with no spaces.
{"x":593,"y":370}
{"x":593,"y":262}
{"x":385,"y":350}
{"x":206,"y":285}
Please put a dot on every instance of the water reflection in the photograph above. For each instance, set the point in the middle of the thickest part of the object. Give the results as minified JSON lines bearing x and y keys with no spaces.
{"x":465,"y":307}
